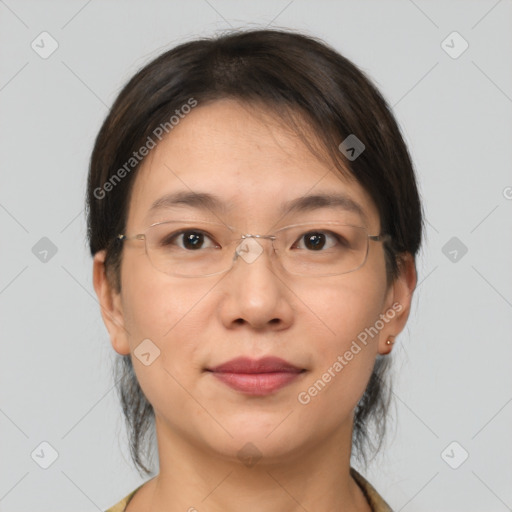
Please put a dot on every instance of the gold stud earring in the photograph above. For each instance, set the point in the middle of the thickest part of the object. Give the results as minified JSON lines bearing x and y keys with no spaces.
{"x":389,"y":342}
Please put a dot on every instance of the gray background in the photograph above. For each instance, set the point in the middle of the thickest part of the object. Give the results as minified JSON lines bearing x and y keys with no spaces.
{"x":452,"y":363}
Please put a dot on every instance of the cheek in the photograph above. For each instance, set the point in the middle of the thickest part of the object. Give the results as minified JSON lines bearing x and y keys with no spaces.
{"x":345,"y":345}
{"x":345,"y":305}
{"x":153,"y":303}
{"x":161,"y":309}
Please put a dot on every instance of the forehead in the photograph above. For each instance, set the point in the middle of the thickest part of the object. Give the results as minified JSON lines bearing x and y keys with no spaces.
{"x":246,"y":164}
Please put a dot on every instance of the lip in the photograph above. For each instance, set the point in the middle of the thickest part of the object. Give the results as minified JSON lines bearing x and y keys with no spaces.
{"x":256,"y":376}
{"x":248,"y":365}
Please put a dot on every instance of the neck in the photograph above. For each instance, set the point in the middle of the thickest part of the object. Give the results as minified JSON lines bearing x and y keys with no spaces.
{"x":195,"y":478}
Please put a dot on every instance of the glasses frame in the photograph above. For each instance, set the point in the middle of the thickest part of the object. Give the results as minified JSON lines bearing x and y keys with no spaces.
{"x":383,"y":237}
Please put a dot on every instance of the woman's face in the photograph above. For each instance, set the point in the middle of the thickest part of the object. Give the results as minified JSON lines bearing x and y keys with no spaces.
{"x":252,"y":165}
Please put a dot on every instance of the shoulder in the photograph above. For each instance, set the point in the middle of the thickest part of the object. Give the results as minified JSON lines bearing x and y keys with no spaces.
{"x":375,"y":500}
{"x":121,"y":506}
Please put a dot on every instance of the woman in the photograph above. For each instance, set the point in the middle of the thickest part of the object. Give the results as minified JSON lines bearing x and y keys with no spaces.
{"x":254,"y":220}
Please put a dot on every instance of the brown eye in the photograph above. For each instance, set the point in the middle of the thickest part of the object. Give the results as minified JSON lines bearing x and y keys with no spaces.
{"x":189,"y":240}
{"x":317,"y":240}
{"x":192,"y":240}
{"x":314,"y":240}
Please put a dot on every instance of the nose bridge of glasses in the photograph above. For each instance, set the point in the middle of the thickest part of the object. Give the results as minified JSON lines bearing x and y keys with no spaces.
{"x":249,"y":248}
{"x":269,"y":237}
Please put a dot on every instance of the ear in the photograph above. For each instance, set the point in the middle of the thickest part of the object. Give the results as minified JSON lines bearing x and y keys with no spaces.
{"x":111,"y":306}
{"x":398,"y":302}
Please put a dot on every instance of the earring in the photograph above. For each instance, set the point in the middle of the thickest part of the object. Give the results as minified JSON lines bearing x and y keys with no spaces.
{"x":389,"y":342}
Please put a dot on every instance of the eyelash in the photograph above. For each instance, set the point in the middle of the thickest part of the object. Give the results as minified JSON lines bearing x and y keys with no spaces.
{"x":172,"y":237}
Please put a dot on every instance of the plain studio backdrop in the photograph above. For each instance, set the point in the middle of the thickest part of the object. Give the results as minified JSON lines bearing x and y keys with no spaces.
{"x":443,"y":66}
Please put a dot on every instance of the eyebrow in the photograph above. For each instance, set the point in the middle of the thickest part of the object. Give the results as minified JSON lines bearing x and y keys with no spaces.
{"x":206,"y":201}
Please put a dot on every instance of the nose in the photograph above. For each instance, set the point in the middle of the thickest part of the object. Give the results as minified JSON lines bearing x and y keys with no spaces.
{"x":254,"y":292}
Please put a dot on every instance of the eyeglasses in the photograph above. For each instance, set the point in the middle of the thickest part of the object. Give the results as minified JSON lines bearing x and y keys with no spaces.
{"x":188,"y":248}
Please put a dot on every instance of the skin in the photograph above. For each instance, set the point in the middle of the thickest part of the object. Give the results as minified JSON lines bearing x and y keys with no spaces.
{"x":251,"y":161}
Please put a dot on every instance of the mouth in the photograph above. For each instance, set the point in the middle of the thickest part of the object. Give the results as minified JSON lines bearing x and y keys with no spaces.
{"x":257,"y":377}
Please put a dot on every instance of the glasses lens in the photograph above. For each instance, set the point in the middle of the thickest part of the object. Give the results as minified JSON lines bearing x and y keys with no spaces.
{"x":189,"y":248}
{"x":322,"y":248}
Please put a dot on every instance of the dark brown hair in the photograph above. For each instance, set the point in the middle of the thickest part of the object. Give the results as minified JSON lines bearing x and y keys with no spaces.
{"x":298,"y":77}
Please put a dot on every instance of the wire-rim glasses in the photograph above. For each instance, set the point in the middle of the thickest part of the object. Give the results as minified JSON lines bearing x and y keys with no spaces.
{"x":191,"y":248}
